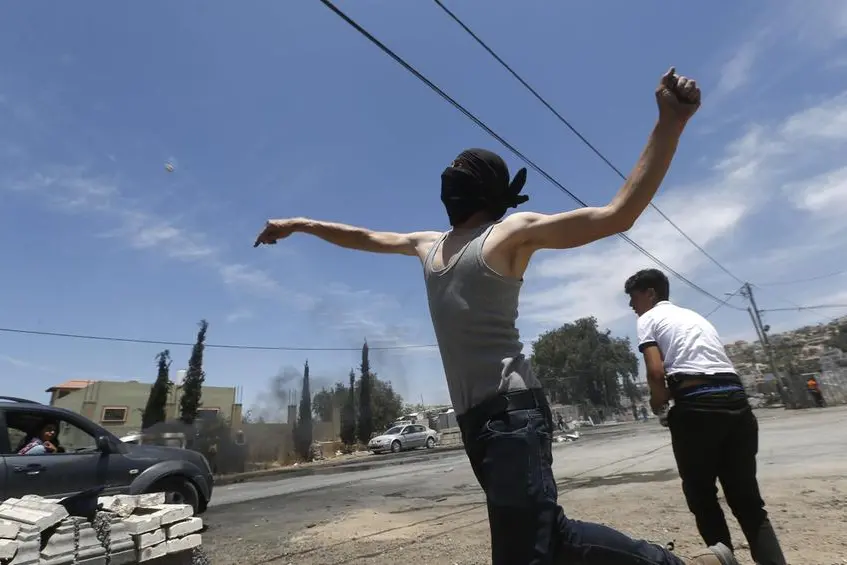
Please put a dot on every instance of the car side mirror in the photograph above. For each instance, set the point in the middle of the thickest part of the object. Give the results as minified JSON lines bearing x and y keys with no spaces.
{"x":104,"y":445}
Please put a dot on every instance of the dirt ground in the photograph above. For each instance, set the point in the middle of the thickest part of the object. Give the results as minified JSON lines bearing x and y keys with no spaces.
{"x":626,"y":480}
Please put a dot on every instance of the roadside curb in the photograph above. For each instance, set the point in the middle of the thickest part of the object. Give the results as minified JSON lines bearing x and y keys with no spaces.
{"x":365,"y":463}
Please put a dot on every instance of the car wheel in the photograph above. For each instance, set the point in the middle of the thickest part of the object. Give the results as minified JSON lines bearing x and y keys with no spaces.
{"x":395,"y":446}
{"x":178,"y":491}
{"x":430,"y":442}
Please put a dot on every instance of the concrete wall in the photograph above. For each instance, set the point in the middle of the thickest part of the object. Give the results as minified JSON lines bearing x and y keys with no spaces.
{"x":267,"y":443}
{"x":118,"y":406}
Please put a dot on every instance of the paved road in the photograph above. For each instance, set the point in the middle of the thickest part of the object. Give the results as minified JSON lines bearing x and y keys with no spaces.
{"x":258,"y":519}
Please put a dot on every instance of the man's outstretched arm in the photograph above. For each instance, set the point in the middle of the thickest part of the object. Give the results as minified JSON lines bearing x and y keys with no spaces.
{"x":678,"y":99}
{"x":351,"y":237}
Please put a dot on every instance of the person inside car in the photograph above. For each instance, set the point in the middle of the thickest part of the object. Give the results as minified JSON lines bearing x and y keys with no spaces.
{"x":42,"y":444}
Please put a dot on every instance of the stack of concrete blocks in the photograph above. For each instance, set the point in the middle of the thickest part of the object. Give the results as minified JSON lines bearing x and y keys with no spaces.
{"x":157,"y":529}
{"x":450,"y":437}
{"x":142,"y":529}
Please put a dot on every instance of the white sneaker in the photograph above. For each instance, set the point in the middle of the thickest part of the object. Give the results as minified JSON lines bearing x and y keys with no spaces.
{"x":715,"y":555}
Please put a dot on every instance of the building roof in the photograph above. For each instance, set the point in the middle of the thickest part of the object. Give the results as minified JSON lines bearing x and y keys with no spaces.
{"x":74,"y":384}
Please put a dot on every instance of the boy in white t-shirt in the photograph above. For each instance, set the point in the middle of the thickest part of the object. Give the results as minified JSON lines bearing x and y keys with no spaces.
{"x":714,"y":432}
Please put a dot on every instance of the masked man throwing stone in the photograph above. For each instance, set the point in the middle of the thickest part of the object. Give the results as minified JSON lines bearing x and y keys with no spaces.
{"x":473,"y":275}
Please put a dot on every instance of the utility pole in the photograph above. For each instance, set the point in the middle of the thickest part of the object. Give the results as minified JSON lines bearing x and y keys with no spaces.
{"x":762,"y":333}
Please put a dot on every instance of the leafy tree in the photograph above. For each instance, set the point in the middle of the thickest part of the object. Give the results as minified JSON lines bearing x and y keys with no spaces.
{"x":192,"y":388}
{"x":325,"y":401}
{"x":348,"y":413}
{"x":366,"y":424}
{"x":387,"y":405}
{"x":157,"y":401}
{"x":577,"y":364}
{"x":303,"y":430}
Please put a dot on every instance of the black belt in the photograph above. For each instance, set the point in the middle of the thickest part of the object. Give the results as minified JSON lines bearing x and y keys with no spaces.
{"x":509,"y":402}
{"x":676,"y":378}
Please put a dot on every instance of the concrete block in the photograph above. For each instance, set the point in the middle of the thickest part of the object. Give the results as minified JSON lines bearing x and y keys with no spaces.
{"x":179,"y":529}
{"x":119,"y":538}
{"x":8,"y":549}
{"x":60,"y":546}
{"x":168,"y":513}
{"x":101,"y":560}
{"x":152,"y":552}
{"x":123,"y":557}
{"x":9,"y":529}
{"x":40,"y":515}
{"x":151,"y":499}
{"x":29,"y":533}
{"x":37,"y":503}
{"x":184,"y":543}
{"x":142,"y":523}
{"x":149,"y":538}
{"x":27,"y":553}
{"x":122,"y":504}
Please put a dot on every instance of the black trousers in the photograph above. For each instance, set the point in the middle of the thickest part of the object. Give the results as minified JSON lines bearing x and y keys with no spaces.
{"x":712,"y":446}
{"x":508,"y":441}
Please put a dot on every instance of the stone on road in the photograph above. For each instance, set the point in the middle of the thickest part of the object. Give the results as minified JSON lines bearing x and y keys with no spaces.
{"x":432,"y":511}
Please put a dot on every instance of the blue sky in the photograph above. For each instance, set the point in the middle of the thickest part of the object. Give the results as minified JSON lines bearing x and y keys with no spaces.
{"x":282,"y":110}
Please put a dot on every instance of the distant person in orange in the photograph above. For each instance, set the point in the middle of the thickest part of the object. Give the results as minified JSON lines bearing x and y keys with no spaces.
{"x":815,"y":390}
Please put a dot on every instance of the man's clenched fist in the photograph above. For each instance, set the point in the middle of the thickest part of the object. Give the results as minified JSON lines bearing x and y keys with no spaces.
{"x":678,"y":96}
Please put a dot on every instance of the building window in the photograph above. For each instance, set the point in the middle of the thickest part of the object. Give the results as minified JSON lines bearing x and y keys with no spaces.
{"x":208,"y":412}
{"x":113,"y":415}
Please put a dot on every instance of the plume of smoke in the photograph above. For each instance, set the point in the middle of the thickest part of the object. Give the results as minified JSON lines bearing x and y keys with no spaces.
{"x":284,"y":388}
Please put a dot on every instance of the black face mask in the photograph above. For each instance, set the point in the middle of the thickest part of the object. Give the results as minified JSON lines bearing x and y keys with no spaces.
{"x":462,"y":195}
{"x":478,"y":180}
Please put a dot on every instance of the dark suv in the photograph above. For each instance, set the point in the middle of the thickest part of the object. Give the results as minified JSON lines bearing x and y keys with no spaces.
{"x":87,"y":456}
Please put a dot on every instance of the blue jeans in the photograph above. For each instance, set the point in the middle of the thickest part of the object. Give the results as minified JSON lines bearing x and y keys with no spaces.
{"x":511,"y":456}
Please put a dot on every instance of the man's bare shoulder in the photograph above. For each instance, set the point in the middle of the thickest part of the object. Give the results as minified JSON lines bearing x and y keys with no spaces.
{"x":425,"y":236}
{"x":520,"y":220}
{"x":422,"y":241}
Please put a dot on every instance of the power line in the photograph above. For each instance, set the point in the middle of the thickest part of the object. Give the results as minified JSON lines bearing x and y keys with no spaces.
{"x":385,"y":49}
{"x":798,"y":281}
{"x":577,"y":133}
{"x":209,"y":345}
{"x":796,"y":308}
{"x":725,"y":302}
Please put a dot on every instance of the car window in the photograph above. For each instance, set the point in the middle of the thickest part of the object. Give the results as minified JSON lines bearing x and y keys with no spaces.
{"x":393,"y":431}
{"x":69,"y":438}
{"x":420,"y":429}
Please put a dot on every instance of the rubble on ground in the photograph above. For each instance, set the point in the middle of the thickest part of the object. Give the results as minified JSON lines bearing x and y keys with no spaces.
{"x":126,"y":529}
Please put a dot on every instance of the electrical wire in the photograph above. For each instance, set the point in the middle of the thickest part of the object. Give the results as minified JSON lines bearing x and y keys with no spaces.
{"x":799,"y":308}
{"x":209,"y":345}
{"x":578,"y":134}
{"x":798,"y":281}
{"x":725,"y":302}
{"x":402,"y":62}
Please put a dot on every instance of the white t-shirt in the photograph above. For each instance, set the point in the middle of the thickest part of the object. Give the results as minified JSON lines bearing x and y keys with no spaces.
{"x":688,"y":342}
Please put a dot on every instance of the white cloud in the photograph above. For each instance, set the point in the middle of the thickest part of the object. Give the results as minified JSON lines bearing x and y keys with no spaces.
{"x":736,"y":72}
{"x":24,"y":364}
{"x":825,"y":194}
{"x":589,"y":281}
{"x":798,"y":34}
{"x":73,"y":190}
{"x":239,"y":315}
{"x":238,"y":275}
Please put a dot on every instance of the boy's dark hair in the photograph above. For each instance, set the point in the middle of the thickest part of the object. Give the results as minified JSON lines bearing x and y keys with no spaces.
{"x":646,"y":279}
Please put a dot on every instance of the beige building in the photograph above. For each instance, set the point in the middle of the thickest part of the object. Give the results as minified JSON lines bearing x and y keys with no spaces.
{"x":118,"y":405}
